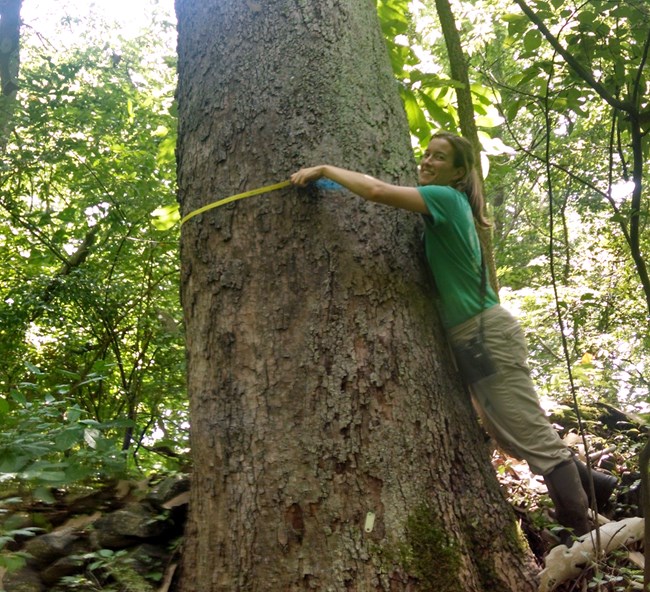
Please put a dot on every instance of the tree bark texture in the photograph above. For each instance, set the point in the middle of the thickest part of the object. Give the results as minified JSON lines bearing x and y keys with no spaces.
{"x":9,"y":64}
{"x":322,"y":394}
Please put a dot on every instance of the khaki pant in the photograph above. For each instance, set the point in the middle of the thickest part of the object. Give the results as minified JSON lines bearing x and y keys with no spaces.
{"x":506,"y":401}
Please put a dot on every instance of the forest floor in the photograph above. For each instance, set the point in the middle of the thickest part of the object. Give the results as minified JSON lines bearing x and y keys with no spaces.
{"x":614,"y":441}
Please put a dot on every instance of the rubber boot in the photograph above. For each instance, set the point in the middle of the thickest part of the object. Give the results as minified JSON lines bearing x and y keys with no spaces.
{"x":604,"y":484}
{"x":569,"y":498}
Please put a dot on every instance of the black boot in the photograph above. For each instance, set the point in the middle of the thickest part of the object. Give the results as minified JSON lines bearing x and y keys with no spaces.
{"x":604,"y":484}
{"x":570,"y":500}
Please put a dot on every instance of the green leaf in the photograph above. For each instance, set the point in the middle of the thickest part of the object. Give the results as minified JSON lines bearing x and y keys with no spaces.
{"x":44,"y":471}
{"x":72,"y":375}
{"x":129,"y":109}
{"x":73,"y":414}
{"x":428,"y":80}
{"x":68,"y":438}
{"x":30,"y":531}
{"x":33,"y":369}
{"x":161,"y":131}
{"x":438,"y":113}
{"x":77,"y":472}
{"x":532,"y":40}
{"x":165,"y":217}
{"x":166,"y":151}
{"x":417,"y":121}
{"x":13,"y":462}
{"x":392,"y":15}
{"x":489,"y":121}
{"x":44,"y":494}
{"x":69,"y":214}
{"x":517,"y":24}
{"x":91,"y":437}
{"x":120,"y":422}
{"x":12,"y":562}
{"x":587,"y":18}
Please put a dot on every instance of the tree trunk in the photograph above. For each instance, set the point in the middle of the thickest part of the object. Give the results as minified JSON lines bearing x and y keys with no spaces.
{"x":334,"y":448}
{"x":460,"y":73}
{"x":9,"y":63}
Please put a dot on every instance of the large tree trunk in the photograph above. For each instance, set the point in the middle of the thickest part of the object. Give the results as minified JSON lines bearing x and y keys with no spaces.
{"x":321,"y":389}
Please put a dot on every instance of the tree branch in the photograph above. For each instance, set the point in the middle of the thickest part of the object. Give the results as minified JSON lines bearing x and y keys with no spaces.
{"x":579,"y":69}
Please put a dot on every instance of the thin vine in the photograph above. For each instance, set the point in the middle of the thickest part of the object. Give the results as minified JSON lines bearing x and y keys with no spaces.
{"x":558,"y":309}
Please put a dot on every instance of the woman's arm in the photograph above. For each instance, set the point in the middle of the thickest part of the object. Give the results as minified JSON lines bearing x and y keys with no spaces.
{"x":407,"y":198}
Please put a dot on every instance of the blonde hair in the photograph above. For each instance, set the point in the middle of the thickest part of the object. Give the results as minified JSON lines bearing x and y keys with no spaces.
{"x":470,"y":183}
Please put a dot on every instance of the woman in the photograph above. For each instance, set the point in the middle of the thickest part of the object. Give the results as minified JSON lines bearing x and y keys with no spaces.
{"x":450,"y":197}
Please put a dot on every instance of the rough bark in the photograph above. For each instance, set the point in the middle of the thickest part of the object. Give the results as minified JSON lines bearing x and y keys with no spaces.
{"x":9,"y":61}
{"x":321,"y":390}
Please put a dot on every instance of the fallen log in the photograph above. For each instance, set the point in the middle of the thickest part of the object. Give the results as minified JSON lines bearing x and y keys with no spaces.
{"x":564,"y":563}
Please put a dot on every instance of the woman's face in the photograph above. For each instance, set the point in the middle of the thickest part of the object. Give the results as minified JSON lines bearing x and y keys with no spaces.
{"x":437,"y":164}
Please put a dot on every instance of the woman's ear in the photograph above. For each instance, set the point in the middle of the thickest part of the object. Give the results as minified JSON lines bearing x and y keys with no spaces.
{"x":459,"y":174}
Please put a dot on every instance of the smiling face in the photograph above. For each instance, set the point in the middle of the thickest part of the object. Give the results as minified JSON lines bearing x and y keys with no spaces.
{"x":437,"y":165}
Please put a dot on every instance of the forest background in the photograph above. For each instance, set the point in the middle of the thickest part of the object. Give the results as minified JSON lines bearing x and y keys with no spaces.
{"x":92,"y":382}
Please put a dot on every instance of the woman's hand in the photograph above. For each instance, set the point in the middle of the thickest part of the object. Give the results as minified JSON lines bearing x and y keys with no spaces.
{"x":305,"y":176}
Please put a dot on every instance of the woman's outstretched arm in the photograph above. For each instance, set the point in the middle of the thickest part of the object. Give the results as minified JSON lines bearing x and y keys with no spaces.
{"x":365,"y":186}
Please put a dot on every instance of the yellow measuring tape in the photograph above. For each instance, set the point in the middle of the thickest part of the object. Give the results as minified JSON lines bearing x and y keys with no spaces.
{"x":232,"y":198}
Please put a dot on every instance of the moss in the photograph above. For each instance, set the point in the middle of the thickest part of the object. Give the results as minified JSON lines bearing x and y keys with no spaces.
{"x":429,"y":553}
{"x":515,"y":536}
{"x":431,"y":556}
{"x":130,"y":580}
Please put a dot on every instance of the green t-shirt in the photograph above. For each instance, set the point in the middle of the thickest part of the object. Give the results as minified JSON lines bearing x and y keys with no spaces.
{"x":454,"y":255}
